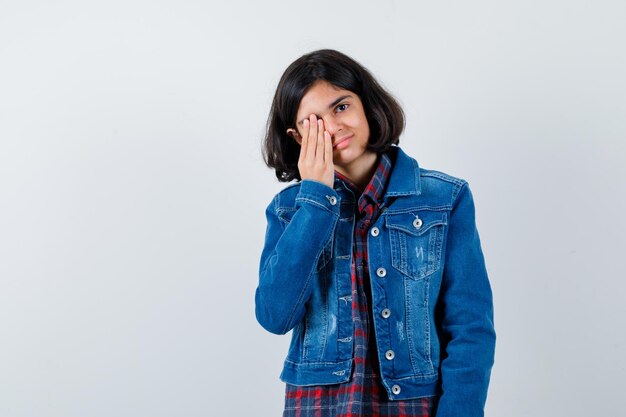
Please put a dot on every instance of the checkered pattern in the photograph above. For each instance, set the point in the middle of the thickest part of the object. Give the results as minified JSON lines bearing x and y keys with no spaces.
{"x":364,"y":394}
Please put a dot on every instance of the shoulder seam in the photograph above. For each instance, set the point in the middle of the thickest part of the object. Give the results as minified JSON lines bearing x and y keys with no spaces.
{"x":288,"y":187}
{"x":457,"y":182}
{"x":456,"y":192}
{"x":442,"y":176}
{"x":281,"y":194}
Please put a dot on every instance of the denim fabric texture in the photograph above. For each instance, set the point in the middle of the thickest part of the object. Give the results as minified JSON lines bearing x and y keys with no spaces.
{"x":431,"y":297}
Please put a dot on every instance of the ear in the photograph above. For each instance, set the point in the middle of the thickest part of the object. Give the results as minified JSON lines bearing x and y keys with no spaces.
{"x":295,"y":135}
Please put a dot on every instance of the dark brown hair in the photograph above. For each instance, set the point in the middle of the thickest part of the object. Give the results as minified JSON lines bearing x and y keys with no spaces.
{"x":384,"y":114}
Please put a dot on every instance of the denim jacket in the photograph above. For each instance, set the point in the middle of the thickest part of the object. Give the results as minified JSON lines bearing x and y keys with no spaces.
{"x":426,"y":268}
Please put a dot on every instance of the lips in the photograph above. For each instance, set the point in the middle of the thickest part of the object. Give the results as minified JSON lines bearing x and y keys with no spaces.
{"x":343,"y":140}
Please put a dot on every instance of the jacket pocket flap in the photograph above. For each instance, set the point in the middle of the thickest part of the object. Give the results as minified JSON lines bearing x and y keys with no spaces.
{"x":416,"y":222}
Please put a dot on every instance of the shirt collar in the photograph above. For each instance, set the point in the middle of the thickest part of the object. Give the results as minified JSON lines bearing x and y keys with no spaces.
{"x":375,"y":189}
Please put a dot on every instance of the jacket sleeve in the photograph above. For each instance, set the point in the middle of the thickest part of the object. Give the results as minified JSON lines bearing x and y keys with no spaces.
{"x":467,"y":316}
{"x":290,"y":255}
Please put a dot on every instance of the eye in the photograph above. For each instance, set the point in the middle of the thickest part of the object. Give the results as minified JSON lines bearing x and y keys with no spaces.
{"x":341,"y":107}
{"x":301,"y":122}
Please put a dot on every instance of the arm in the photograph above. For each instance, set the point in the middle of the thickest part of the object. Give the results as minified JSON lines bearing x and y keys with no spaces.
{"x":290,"y":256}
{"x":467,"y":316}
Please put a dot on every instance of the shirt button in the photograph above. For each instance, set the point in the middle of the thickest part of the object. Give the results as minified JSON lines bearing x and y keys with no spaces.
{"x":390,"y":355}
{"x":332,"y":199}
{"x":374,"y":232}
{"x":381,"y":272}
{"x":396,"y":389}
{"x":417,"y":223}
{"x":386,"y":313}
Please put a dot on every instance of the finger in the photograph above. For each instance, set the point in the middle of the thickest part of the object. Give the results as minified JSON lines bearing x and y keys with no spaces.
{"x":319,"y":150}
{"x":312,"y":142}
{"x":305,"y":139}
{"x":328,"y":149}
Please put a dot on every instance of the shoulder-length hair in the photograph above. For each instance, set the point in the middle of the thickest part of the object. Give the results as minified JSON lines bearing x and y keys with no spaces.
{"x":384,"y":114}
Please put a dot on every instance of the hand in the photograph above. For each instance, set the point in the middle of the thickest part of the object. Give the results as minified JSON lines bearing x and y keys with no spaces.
{"x":316,"y":153}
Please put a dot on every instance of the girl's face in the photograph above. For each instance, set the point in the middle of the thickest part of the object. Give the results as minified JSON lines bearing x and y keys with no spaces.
{"x":345,"y":120}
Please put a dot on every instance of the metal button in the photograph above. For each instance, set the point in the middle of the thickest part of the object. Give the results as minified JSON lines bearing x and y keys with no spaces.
{"x":417,"y":223}
{"x":332,"y":199}
{"x":396,"y":389}
{"x":375,"y":231}
{"x":390,"y":355}
{"x":381,"y":272}
{"x":386,"y":313}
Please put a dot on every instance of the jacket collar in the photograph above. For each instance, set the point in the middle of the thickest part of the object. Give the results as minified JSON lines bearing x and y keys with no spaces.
{"x":405,"y":175}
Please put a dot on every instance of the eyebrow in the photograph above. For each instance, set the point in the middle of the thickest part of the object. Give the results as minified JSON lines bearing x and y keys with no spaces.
{"x":331,"y":105}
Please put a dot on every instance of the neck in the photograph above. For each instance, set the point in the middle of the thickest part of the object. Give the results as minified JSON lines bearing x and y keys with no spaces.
{"x":361,"y":173}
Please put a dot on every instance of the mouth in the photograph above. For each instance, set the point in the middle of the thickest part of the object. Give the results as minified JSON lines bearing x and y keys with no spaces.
{"x":343,"y":141}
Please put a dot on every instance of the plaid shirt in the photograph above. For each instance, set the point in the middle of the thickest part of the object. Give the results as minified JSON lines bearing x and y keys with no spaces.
{"x":364,"y":394}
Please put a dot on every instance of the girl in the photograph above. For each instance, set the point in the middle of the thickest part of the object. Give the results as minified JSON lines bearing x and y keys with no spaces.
{"x":373,"y":262}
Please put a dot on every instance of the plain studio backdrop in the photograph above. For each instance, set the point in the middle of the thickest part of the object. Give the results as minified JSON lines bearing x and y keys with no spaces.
{"x":132,"y":191}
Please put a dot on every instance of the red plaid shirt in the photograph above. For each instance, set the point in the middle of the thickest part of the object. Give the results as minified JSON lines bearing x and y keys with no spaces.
{"x":364,"y":394}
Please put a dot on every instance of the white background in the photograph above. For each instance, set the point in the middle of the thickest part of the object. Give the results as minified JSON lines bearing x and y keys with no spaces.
{"x":132,"y":191}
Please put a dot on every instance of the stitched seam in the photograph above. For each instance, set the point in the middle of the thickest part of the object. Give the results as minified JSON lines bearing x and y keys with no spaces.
{"x":306,"y":285}
{"x":456,"y":192}
{"x":443,"y":177}
{"x":316,"y":363}
{"x":314,"y":202}
{"x":411,"y":209}
{"x":267,"y":262}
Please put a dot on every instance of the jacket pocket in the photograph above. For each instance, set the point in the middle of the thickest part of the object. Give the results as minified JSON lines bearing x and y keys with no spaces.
{"x":416,"y":239}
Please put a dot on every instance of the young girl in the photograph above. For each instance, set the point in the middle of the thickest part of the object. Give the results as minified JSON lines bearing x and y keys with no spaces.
{"x":372,"y":261}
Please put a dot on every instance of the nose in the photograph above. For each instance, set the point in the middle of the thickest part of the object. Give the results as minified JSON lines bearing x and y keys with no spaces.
{"x":331,"y":124}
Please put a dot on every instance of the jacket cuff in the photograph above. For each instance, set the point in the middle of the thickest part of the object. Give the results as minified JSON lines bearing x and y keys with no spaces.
{"x":318,"y":194}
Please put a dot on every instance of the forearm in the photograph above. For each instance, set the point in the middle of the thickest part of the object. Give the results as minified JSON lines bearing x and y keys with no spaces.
{"x":291,"y":255}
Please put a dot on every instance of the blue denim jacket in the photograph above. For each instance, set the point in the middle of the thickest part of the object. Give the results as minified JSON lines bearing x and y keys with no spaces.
{"x":426,"y":266}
